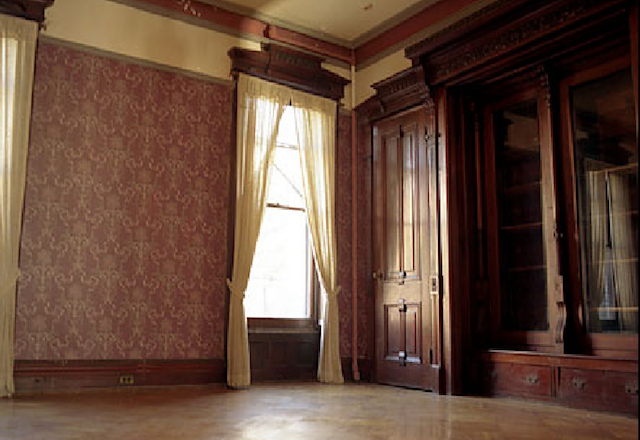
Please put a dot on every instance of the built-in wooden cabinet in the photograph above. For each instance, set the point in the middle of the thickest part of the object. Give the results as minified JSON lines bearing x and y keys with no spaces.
{"x":533,"y":124}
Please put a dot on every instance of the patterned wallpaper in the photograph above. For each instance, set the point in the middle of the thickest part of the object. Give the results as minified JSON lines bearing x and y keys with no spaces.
{"x":124,"y":242}
{"x":124,"y":246}
{"x":344,"y":199}
{"x":343,"y":230}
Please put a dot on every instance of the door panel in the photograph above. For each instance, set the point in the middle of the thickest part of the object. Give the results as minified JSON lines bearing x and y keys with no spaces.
{"x":404,"y":309}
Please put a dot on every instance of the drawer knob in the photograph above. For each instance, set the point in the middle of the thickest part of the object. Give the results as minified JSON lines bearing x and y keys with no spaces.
{"x":531,"y":379}
{"x":631,"y":388}
{"x":578,"y":383}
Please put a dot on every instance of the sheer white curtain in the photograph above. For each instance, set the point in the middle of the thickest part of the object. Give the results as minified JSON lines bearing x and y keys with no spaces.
{"x":17,"y":57}
{"x":260,"y":107}
{"x":612,"y":247}
{"x":601,"y":292}
{"x":622,"y":243}
{"x":316,"y":126}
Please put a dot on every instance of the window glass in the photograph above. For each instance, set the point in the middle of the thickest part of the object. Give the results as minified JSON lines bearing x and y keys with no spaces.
{"x":9,"y":48}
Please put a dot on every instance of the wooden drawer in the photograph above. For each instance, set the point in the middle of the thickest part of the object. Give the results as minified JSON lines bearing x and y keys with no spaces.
{"x":621,"y":391}
{"x":597,"y":389}
{"x":584,"y":388}
{"x":506,"y":379}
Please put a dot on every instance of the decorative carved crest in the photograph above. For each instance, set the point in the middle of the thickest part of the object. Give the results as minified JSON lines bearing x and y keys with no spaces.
{"x":29,"y":9}
{"x":289,"y":67}
{"x":403,"y":90}
{"x":503,"y":29}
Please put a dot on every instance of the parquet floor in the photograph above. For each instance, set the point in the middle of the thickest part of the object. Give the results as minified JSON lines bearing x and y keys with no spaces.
{"x":295,"y":411}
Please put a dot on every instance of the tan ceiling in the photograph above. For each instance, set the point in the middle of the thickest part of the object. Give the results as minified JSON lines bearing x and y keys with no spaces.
{"x":343,"y":21}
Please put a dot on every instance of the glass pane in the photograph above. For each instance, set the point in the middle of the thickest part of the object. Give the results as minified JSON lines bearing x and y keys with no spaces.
{"x":287,"y":134}
{"x":523,"y":287}
{"x":285,"y":181}
{"x":606,"y":153}
{"x":408,"y":178}
{"x":392,"y":207}
{"x":279,"y":275}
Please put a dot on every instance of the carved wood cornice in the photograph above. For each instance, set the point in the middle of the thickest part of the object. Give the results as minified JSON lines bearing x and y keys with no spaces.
{"x":403,"y":90}
{"x":289,"y":67}
{"x":29,"y":9}
{"x":503,"y":30}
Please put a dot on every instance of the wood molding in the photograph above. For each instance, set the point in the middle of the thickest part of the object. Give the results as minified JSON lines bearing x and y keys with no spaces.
{"x":73,"y":374}
{"x":402,"y":31}
{"x":561,"y":360}
{"x":29,"y":9}
{"x":401,"y":91}
{"x":241,"y":24}
{"x":288,"y":67}
{"x":508,"y":31}
{"x":283,"y":355}
{"x":364,"y":367}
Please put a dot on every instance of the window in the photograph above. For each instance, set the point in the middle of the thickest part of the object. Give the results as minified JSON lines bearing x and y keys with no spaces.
{"x":280,"y":285}
{"x":8,"y":52}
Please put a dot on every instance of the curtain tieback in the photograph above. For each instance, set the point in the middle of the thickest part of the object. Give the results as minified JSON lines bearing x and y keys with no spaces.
{"x":234,"y":292}
{"x":335,"y":293}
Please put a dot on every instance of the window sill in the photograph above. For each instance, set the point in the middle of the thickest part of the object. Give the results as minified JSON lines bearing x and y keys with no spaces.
{"x":281,"y":330}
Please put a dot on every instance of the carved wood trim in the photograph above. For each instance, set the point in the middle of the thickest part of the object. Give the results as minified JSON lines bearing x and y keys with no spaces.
{"x":401,"y":91}
{"x":504,"y":30}
{"x":288,"y":67}
{"x":29,"y":9}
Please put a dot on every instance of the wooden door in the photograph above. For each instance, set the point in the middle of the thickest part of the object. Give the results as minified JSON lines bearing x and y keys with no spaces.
{"x":405,"y":342}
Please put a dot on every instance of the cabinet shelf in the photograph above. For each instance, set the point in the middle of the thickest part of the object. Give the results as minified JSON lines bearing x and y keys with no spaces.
{"x":615,"y":169}
{"x":615,"y":309}
{"x":522,"y":227}
{"x":522,"y":187}
{"x":620,"y":260}
{"x":527,"y":268}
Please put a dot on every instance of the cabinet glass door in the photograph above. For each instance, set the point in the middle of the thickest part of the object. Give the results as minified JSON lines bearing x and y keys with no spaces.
{"x":606,"y":170}
{"x":523,"y":293}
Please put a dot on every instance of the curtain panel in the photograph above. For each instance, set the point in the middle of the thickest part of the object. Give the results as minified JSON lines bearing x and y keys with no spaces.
{"x":260,"y":108}
{"x":17,"y":52}
{"x":316,"y":126}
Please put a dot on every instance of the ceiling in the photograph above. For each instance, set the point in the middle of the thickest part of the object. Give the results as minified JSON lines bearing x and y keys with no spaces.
{"x":348,"y":22}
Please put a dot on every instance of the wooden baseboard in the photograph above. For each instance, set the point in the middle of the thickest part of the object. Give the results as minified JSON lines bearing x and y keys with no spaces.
{"x":30,"y":375}
{"x":74,"y":374}
{"x":364,"y":368}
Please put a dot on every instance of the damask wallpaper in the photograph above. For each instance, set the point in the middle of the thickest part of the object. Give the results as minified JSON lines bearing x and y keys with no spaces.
{"x":124,"y":245}
{"x":343,"y":230}
{"x":344,"y":199}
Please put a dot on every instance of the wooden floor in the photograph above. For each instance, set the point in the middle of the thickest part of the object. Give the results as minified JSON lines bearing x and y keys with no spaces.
{"x":295,"y":411}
